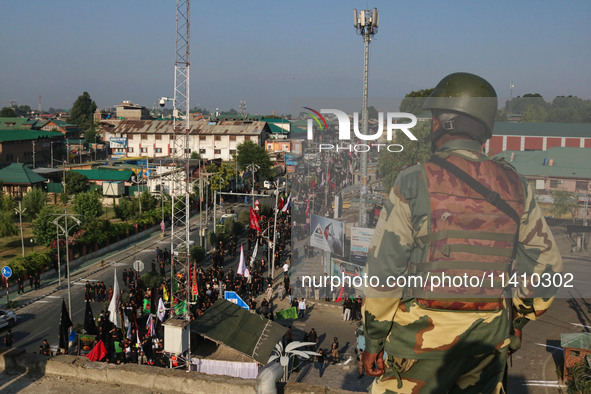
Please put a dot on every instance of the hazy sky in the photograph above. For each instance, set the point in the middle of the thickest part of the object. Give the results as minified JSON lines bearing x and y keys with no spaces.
{"x":271,"y":51}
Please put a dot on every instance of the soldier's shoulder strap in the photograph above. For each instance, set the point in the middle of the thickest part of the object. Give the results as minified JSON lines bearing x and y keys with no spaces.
{"x":491,"y":196}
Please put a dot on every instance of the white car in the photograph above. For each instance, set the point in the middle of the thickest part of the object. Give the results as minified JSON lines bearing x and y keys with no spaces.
{"x":7,"y":318}
{"x":228,"y":216}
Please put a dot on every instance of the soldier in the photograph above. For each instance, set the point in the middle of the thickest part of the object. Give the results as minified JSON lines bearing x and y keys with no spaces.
{"x":439,"y":222}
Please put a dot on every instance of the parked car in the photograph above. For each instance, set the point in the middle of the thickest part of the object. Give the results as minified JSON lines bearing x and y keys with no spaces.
{"x":227,"y":216}
{"x":7,"y":318}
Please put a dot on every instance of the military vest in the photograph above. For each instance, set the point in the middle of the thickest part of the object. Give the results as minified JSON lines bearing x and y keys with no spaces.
{"x":470,"y":242}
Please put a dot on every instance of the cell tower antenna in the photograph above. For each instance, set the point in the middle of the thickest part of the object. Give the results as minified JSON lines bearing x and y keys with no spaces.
{"x":181,"y":180}
{"x":243,"y":107}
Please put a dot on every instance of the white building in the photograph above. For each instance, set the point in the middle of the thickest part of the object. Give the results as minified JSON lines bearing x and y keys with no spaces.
{"x":211,"y":139}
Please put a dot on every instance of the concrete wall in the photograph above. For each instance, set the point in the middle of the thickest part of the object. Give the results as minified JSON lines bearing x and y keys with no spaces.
{"x":142,"y":376}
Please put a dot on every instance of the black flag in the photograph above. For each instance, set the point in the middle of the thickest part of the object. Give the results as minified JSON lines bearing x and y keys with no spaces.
{"x":89,"y":324}
{"x":65,"y":324}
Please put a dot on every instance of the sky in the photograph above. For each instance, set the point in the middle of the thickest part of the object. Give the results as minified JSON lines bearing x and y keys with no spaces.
{"x":270,"y":52}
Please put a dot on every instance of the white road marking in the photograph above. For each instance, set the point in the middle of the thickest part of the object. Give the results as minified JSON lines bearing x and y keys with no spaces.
{"x":50,"y":296}
{"x":549,"y":346}
{"x":580,"y":325}
{"x":542,"y":383}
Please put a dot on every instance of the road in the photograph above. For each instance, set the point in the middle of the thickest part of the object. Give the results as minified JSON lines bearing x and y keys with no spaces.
{"x":40,"y":319}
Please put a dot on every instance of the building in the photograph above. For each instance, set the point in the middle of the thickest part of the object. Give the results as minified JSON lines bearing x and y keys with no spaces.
{"x":557,"y":168}
{"x":129,"y":111}
{"x":537,"y":136}
{"x":37,"y":148}
{"x":17,"y":180}
{"x":211,"y":139}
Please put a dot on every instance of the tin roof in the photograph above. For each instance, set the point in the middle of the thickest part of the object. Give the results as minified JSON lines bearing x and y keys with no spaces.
{"x":566,"y":162}
{"x":228,"y":127}
{"x":27,"y":135}
{"x":106,"y":175}
{"x":18,"y":173}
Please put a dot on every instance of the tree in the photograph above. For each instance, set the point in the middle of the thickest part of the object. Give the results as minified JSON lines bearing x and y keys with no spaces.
{"x":7,"y":112}
{"x":564,"y":203}
{"x":195,"y":156}
{"x":7,"y":203}
{"x":44,"y":229}
{"x":83,"y":111}
{"x":534,"y":113}
{"x":92,"y":134}
{"x":76,"y":182}
{"x":125,"y":209}
{"x":248,"y":152}
{"x":390,"y":164}
{"x":33,"y":202}
{"x":88,"y":205}
{"x":413,"y":101}
{"x":221,"y":175}
{"x":7,"y":226}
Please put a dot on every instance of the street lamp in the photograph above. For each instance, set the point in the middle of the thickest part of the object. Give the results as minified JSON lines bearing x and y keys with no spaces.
{"x":253,"y":168}
{"x":366,"y":25}
{"x":65,"y":230}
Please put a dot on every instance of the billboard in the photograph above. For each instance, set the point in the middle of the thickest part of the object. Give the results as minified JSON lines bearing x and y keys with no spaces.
{"x":118,"y":142}
{"x":327,"y":234}
{"x":342,"y":268}
{"x":360,"y":239}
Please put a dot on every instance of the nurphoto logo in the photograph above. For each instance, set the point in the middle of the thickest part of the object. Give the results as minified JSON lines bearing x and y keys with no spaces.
{"x":344,"y":125}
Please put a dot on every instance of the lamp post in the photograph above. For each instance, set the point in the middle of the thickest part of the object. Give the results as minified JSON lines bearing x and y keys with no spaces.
{"x":253,"y":168}
{"x":65,"y":230}
{"x":366,"y":25}
{"x":20,"y":211}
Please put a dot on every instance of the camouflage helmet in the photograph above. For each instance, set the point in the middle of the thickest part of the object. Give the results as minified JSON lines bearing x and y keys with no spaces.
{"x":466,"y":94}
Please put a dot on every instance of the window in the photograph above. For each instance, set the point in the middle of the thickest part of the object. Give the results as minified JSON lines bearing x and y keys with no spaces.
{"x":157,"y":150}
{"x":217,"y":151}
{"x":144,"y":150}
{"x":232,"y":138}
{"x":202,"y":151}
{"x":232,"y":151}
{"x":144,"y":136}
{"x":582,"y":185}
{"x":553,"y":183}
{"x":130,"y":150}
{"x":158,"y":136}
{"x":202,"y":137}
{"x":218,"y":137}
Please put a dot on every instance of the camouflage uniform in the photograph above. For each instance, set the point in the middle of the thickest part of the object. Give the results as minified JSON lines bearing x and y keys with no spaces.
{"x":434,"y":348}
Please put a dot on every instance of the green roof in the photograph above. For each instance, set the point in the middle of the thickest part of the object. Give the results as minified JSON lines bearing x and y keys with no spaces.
{"x":543,"y":129}
{"x":18,"y":173}
{"x":106,"y":175}
{"x":26,"y":135}
{"x":566,"y":162}
{"x":250,"y":334}
{"x":12,"y":123}
{"x":275,"y":120}
{"x":276,"y":129}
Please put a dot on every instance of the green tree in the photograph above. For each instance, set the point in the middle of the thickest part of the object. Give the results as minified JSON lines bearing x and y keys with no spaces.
{"x":148,"y":201}
{"x":83,"y":112}
{"x":7,"y":203}
{"x":534,"y":113}
{"x":413,"y":101}
{"x":7,"y":225}
{"x":44,"y":229}
{"x":88,"y":205}
{"x":390,"y":164}
{"x":34,"y":201}
{"x":92,"y":133}
{"x":564,"y":203}
{"x":195,"y":156}
{"x":248,"y":153}
{"x":518,"y":105}
{"x":126,"y":209}
{"x":221,"y":176}
{"x":76,"y":182}
{"x":7,"y":112}
{"x":22,"y":110}
{"x":197,"y":253}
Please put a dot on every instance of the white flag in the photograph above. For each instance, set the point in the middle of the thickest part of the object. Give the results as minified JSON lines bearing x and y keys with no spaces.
{"x":161,"y":310}
{"x":254,"y":252}
{"x":242,"y":270}
{"x":114,"y":305}
{"x":286,"y":205}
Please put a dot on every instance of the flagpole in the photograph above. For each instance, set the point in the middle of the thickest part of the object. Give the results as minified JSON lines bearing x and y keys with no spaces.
{"x":275,"y":227}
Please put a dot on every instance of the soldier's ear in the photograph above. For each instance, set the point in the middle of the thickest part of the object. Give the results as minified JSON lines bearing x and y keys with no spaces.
{"x":435,"y":125}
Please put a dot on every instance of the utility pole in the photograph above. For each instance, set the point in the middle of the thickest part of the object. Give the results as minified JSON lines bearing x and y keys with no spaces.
{"x":253,"y":168}
{"x":366,"y":25}
{"x":275,"y":226}
{"x":66,"y":230}
{"x":20,"y":211}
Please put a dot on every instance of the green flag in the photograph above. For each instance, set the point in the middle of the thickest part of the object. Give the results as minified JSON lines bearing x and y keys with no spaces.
{"x":289,"y":313}
{"x":180,"y":308}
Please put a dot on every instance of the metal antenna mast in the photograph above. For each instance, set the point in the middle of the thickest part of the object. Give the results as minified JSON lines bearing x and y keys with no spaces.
{"x":180,"y":185}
